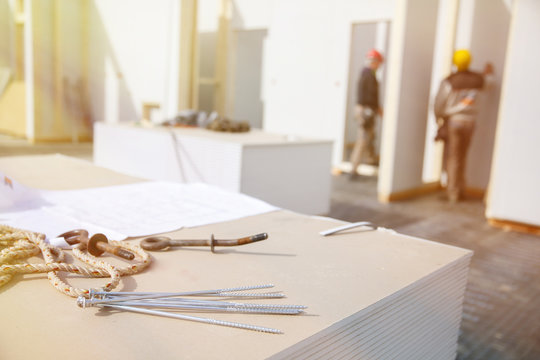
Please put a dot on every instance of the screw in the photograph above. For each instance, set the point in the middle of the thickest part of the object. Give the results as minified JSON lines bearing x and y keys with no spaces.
{"x":143,"y":302}
{"x":154,"y":295}
{"x":197,"y":319}
{"x":210,"y":307}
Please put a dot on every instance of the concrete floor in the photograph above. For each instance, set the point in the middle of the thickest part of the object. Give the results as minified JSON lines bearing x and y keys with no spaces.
{"x":10,"y":146}
{"x":501,"y":318}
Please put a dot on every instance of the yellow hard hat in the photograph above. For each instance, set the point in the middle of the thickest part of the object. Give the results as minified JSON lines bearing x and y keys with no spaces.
{"x":462,"y":59}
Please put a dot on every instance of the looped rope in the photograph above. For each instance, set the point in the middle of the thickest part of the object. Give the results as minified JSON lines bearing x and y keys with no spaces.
{"x":21,"y":244}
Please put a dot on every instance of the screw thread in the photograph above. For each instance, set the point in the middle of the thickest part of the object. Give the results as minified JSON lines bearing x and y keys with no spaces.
{"x":242,"y":288}
{"x":269,"y":306}
{"x":265,"y":311}
{"x":251,"y":295}
{"x":246,"y":326}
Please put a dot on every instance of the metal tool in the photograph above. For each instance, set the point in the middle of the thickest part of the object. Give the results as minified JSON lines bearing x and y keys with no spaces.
{"x":155,"y":243}
{"x":196,"y":318}
{"x":114,"y":296}
{"x":151,"y":295}
{"x":346,"y":227}
{"x":148,"y":302}
{"x":96,"y":245}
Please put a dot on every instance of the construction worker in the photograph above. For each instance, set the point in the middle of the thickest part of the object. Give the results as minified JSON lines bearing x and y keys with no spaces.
{"x":456,"y":108}
{"x":366,"y":110}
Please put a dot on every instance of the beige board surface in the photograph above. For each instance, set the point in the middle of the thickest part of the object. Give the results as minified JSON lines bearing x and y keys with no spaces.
{"x":336,"y":277}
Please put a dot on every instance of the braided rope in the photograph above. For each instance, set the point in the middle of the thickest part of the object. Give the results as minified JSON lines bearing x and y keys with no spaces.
{"x":24,"y":244}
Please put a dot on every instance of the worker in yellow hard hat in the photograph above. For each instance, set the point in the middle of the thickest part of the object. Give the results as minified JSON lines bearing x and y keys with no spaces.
{"x":456,"y":109}
{"x":462,"y":59}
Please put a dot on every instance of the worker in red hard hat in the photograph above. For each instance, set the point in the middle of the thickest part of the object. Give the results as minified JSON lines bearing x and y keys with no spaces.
{"x":366,"y":111}
{"x":456,"y":108}
{"x":374,"y":54}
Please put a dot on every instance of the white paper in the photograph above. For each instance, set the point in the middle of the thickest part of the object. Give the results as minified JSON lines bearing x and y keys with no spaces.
{"x":46,"y":221}
{"x":129,"y":210}
{"x":17,"y":197}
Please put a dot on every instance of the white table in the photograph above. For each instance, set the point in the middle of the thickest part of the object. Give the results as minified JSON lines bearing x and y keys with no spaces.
{"x":288,"y":172}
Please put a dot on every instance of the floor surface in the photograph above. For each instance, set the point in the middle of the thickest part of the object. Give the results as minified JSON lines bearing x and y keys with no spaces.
{"x":501,"y":315}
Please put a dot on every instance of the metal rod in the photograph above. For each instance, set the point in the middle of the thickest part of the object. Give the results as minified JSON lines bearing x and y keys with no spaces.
{"x":198,"y":292}
{"x":195,"y":318}
{"x":183,"y":306}
{"x":185,"y":293}
{"x":345,"y":227}
{"x":155,"y":243}
{"x":214,"y":303}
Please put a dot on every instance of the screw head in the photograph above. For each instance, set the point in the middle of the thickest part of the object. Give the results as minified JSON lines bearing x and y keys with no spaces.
{"x":81,"y":302}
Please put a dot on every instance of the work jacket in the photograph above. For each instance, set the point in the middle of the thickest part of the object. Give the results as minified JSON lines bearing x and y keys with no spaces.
{"x":368,"y":89}
{"x":457,"y":97}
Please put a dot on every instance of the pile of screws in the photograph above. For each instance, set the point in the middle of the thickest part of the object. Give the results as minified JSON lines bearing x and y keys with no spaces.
{"x":145,"y":302}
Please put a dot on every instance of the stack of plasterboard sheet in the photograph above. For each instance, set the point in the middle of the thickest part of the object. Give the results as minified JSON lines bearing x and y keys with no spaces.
{"x":421,"y":321}
{"x":286,"y":171}
{"x":370,"y":293}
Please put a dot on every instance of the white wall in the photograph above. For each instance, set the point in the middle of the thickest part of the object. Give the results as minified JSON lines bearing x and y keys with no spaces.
{"x":482,"y":27}
{"x":514,"y":193}
{"x":407,"y":100}
{"x":363,"y":39}
{"x":247,"y":103}
{"x":28,"y":70}
{"x":44,"y":93}
{"x":131,"y":45}
{"x":246,"y":68}
{"x":442,"y":66}
{"x":52,"y":46}
{"x":365,"y":36}
{"x":68,"y":65}
{"x":488,"y":42}
{"x":306,"y":62}
{"x":252,"y":14}
{"x":7,"y":56}
{"x":207,"y":15}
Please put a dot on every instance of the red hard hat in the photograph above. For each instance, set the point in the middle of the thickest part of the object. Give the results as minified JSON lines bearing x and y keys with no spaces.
{"x":374,"y":54}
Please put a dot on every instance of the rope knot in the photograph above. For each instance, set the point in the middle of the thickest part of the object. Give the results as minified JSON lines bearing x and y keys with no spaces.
{"x":19,"y":244}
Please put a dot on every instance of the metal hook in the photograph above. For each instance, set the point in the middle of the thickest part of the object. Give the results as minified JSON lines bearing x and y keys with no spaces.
{"x":155,"y":243}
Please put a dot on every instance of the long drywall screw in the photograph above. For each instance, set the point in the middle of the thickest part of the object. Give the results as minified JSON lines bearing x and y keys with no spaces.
{"x":207,"y":307}
{"x":214,"y":303}
{"x":270,"y":295}
{"x":145,"y":301}
{"x":156,"y":295}
{"x":195,"y":318}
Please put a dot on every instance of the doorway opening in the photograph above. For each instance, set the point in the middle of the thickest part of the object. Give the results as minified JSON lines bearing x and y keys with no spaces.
{"x":247,"y":102}
{"x":364,"y":37}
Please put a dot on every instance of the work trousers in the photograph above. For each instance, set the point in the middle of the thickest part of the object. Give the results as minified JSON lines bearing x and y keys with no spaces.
{"x":459,"y":138}
{"x":365,"y":139}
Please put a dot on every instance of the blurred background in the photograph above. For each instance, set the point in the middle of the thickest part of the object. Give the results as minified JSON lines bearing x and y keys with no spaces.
{"x":288,"y":67}
{"x":291,"y":67}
